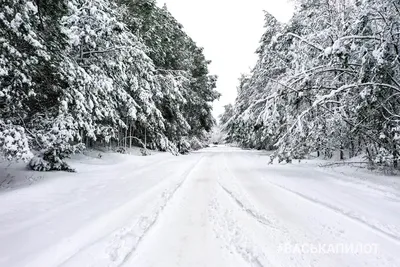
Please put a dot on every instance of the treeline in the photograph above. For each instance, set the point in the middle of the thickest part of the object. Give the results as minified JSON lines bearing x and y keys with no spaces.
{"x":326,"y":81}
{"x":98,"y":72}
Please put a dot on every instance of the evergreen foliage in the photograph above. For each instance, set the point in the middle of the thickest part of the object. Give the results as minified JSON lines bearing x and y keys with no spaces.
{"x":76,"y":73}
{"x":326,"y":81}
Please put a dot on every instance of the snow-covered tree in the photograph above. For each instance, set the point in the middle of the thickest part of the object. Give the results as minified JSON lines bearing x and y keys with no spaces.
{"x":98,"y":72}
{"x":176,"y":55}
{"x":326,"y":81}
{"x":31,"y":79}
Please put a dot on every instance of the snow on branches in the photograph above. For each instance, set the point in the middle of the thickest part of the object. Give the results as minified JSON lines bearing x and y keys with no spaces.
{"x":326,"y":81}
{"x":98,"y":72}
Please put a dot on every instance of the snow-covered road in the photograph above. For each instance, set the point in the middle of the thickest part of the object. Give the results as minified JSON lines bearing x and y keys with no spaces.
{"x":217,"y":207}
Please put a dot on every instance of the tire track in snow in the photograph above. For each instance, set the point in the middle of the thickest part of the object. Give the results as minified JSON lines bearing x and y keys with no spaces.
{"x":157,"y":215}
{"x":185,"y":234}
{"x":248,"y":208}
{"x":347,"y":214}
{"x":251,"y":212}
{"x":52,"y":210}
{"x":147,"y":224}
{"x":123,"y":242}
{"x":227,"y":228}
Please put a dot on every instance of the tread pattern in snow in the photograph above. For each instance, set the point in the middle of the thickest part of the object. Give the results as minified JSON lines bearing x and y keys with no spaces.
{"x":351,"y":215}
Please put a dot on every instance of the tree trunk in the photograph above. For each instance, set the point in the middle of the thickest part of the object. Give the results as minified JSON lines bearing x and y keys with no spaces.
{"x":395,"y":157}
{"x":126,"y":138}
{"x":130,"y":136}
{"x":341,"y":152}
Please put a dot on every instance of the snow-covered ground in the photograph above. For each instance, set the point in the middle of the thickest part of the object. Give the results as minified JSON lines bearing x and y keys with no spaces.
{"x":220,"y":206}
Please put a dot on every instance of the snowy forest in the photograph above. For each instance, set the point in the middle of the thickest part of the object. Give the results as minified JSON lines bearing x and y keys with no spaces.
{"x":78,"y":73}
{"x":327,"y":81}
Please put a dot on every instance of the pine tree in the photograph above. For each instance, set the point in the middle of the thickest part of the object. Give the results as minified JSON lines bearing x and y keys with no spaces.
{"x":31,"y":79}
{"x":76,"y":73}
{"x":326,"y":81}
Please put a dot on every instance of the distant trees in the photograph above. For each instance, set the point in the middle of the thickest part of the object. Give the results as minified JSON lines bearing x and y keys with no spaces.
{"x":75,"y":73}
{"x":326,"y":81}
{"x":179,"y":64}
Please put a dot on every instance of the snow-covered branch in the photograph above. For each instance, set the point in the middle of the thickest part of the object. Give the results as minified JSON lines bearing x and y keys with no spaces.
{"x":306,"y":41}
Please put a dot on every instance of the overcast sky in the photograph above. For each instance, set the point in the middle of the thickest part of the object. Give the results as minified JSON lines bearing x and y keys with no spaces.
{"x":229,"y":31}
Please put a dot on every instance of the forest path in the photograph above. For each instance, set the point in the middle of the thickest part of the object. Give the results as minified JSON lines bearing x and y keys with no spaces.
{"x":220,"y":206}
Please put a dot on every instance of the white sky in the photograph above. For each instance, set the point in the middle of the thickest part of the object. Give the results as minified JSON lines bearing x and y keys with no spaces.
{"x":229,"y":31}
